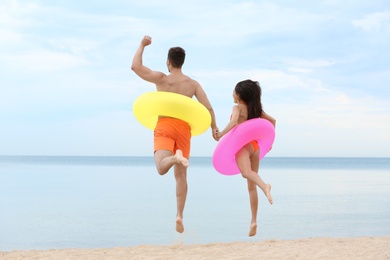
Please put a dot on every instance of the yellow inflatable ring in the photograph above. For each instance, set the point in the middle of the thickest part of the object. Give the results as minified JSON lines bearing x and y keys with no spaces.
{"x":150,"y":105}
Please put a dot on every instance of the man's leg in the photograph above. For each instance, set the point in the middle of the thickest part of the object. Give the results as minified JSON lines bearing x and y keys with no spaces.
{"x":165,"y":160}
{"x":181,"y":194}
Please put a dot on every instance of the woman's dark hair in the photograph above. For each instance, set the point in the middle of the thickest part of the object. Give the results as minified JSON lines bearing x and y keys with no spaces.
{"x":250,"y":92}
{"x":176,"y":55}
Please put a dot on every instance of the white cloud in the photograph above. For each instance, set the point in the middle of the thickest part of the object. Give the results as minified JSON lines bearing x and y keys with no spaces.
{"x":307,"y":66}
{"x":13,"y":13}
{"x":13,"y":17}
{"x":9,"y":36}
{"x":44,"y":61}
{"x":221,"y":23}
{"x":311,"y":63}
{"x":271,"y":80}
{"x":74,"y":45}
{"x":375,"y":22}
{"x":42,"y":23}
{"x":113,"y":132}
{"x":299,"y":70}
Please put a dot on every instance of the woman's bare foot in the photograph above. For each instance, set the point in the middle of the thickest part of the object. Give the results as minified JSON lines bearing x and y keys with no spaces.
{"x":180,"y":158}
{"x":179,"y":225}
{"x":253,"y":230}
{"x":267,"y":192}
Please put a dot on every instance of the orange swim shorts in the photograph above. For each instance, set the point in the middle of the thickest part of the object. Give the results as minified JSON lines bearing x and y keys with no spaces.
{"x":172,"y":134}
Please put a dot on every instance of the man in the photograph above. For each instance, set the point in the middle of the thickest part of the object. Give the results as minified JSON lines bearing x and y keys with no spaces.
{"x":172,"y":136}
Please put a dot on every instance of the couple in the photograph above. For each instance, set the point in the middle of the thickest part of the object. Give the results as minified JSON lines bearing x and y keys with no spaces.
{"x":172,"y":136}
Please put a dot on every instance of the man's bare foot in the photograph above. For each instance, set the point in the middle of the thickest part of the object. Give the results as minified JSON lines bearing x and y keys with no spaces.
{"x":179,"y":225}
{"x":180,"y":158}
{"x":267,"y":192}
{"x":253,"y":230}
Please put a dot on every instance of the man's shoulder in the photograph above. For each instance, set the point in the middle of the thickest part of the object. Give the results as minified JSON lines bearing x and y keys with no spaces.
{"x":193,"y":82}
{"x":184,"y":80}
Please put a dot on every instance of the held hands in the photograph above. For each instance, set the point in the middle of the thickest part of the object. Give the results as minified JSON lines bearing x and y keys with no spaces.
{"x":147,"y":40}
{"x":218,"y":135}
{"x":215,"y":133}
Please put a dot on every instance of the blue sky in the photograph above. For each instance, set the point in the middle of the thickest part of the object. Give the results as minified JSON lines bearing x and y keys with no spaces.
{"x":66,"y":87}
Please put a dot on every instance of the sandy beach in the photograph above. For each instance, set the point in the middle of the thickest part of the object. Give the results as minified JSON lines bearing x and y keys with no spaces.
{"x":311,"y":248}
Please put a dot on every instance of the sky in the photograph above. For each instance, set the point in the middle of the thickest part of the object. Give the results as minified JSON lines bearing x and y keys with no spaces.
{"x":66,"y":87}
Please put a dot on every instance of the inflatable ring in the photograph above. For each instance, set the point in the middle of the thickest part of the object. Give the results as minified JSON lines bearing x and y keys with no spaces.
{"x":257,"y":129}
{"x":150,"y":105}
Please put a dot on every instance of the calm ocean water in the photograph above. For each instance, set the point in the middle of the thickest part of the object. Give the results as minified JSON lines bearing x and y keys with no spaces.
{"x":90,"y":202}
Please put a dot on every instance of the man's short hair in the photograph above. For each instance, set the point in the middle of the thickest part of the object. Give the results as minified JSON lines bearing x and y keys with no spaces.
{"x":176,"y":55}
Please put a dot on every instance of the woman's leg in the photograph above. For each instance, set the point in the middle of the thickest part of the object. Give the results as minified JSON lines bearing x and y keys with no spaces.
{"x":252,"y":189}
{"x":253,"y":199}
{"x":244,"y":158}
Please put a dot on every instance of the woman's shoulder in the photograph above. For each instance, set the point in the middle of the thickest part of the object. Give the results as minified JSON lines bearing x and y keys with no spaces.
{"x":239,"y":108}
{"x":242,"y":108}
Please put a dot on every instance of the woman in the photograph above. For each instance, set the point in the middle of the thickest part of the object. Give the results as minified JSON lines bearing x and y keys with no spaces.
{"x":247,"y":96}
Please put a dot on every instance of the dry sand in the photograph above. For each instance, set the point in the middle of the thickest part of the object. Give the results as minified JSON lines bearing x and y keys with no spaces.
{"x":313,"y":248}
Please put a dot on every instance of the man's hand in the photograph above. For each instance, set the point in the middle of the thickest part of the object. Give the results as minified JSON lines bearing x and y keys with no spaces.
{"x":147,"y":40}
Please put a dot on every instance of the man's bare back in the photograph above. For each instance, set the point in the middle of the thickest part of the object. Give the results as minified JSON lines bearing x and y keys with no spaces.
{"x":178,"y":83}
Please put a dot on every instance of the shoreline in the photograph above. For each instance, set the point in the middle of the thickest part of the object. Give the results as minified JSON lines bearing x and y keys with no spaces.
{"x":308,"y":248}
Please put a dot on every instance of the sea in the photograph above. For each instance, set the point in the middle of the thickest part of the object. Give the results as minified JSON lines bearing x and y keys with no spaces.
{"x":54,"y":202}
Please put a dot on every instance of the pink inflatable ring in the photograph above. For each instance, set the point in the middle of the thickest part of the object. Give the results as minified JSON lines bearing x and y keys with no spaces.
{"x":257,"y":129}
